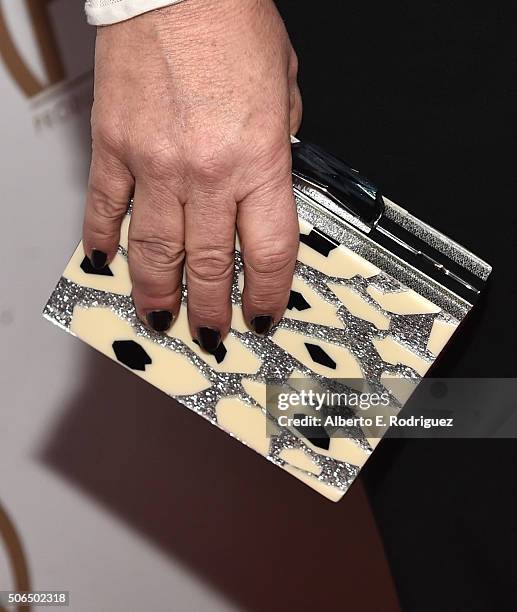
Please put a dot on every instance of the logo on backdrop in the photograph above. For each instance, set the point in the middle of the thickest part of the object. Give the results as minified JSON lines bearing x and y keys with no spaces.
{"x":56,"y":97}
{"x":13,"y":554}
{"x":47,"y":45}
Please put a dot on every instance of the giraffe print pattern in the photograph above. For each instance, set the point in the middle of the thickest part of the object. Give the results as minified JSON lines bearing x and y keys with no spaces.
{"x":346,"y":319}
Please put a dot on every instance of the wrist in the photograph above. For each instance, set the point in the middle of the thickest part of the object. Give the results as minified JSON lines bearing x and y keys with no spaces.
{"x":109,"y":12}
{"x":205,"y":15}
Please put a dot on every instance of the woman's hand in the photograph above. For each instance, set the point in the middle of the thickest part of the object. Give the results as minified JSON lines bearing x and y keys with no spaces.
{"x":194,"y":105}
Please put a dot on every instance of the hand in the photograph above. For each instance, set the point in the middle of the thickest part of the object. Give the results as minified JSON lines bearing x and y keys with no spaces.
{"x":194,"y":106}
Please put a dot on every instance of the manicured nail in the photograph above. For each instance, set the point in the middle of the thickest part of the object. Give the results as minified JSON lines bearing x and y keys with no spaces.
{"x":262,"y":324}
{"x":209,"y":338}
{"x":98,"y":259}
{"x":159,"y":320}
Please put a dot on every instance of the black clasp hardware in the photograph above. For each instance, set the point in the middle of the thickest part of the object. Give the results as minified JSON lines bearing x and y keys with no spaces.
{"x":352,"y":194}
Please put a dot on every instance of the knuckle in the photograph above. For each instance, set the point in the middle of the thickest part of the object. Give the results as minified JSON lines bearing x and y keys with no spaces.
{"x":269,"y":261}
{"x":208,"y":310}
{"x":212,"y":265}
{"x":270,"y":145}
{"x":210,"y":163}
{"x":155,"y":254}
{"x":273,"y":156}
{"x":104,"y":205}
{"x":157,"y":160}
{"x":266,"y":300}
{"x":107,"y":136}
{"x":98,"y":234}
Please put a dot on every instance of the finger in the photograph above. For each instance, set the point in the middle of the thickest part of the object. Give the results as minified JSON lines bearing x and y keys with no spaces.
{"x":210,"y":248}
{"x":268,"y":229}
{"x":156,"y":253}
{"x":109,"y":190}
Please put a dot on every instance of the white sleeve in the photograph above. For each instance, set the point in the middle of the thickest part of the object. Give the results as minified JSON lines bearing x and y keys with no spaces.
{"x":104,"y":12}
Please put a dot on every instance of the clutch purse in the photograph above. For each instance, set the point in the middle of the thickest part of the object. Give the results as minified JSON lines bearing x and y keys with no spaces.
{"x":376,"y":296}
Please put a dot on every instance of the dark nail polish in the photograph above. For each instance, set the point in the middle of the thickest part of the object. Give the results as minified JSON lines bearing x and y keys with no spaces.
{"x":159,"y":320}
{"x":209,"y":339}
{"x":262,"y":324}
{"x":99,"y":259}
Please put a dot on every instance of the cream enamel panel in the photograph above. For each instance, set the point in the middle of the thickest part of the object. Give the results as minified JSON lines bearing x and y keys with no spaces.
{"x":256,"y":390}
{"x":341,"y":262}
{"x":345,"y":449}
{"x":240,"y":282}
{"x":393,"y":352}
{"x":169,"y":371}
{"x":247,"y":423}
{"x":440,"y":334}
{"x":332,"y":493}
{"x":359,"y":307}
{"x":297,"y":458}
{"x":124,"y":232}
{"x":320,"y":312}
{"x":238,"y":358}
{"x":405,"y":302}
{"x":119,"y":283}
{"x":346,"y":364}
{"x":305,"y":227}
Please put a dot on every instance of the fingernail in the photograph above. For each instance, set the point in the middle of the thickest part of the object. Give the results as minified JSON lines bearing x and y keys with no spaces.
{"x":98,"y":259}
{"x":262,"y":324}
{"x":209,"y":338}
{"x":159,"y":320}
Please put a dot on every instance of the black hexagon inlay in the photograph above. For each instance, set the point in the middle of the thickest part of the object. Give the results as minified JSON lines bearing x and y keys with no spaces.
{"x":131,"y":354}
{"x":319,"y":242}
{"x":219,"y":354}
{"x":318,"y":355}
{"x":87,"y":267}
{"x":316,"y":434}
{"x":297,"y":302}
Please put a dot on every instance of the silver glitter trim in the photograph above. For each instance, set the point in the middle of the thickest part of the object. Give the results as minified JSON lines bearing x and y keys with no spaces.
{"x":437,"y":240}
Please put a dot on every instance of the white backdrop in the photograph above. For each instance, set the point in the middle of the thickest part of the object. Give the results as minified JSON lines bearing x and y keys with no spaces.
{"x":125,"y":503}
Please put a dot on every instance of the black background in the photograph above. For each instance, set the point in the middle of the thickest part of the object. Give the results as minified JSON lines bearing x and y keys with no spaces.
{"x":418,"y":96}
